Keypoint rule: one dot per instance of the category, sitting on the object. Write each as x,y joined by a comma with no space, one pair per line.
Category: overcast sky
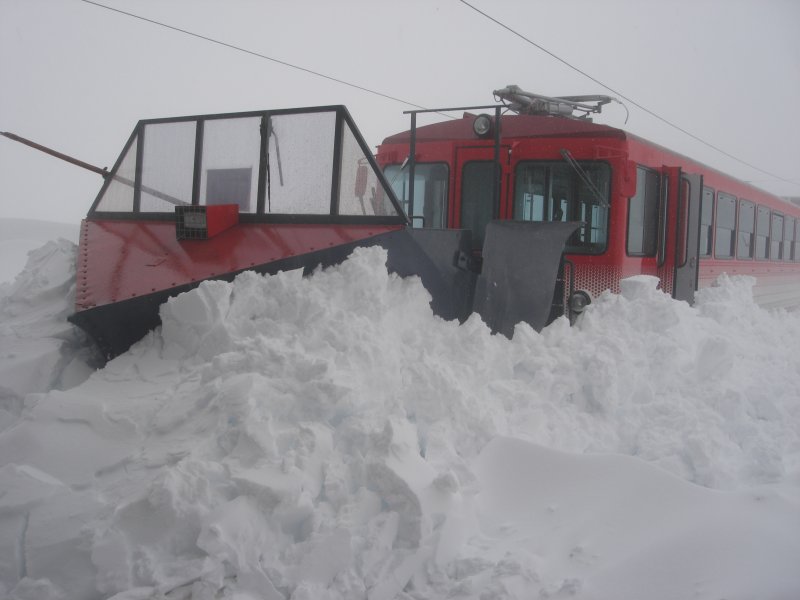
77,77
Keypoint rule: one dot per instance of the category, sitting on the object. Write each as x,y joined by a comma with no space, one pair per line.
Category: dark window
430,192
776,237
746,229
796,245
788,239
553,191
725,226
230,186
706,221
477,192
762,233
643,215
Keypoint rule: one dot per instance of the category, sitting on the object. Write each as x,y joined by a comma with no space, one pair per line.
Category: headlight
578,302
482,126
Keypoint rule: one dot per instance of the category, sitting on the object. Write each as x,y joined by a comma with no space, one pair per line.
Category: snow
328,437
20,236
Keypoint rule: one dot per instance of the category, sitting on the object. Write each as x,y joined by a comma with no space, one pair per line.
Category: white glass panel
360,190
118,196
301,163
167,166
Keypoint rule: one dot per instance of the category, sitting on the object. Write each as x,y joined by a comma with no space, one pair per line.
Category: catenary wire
624,97
256,54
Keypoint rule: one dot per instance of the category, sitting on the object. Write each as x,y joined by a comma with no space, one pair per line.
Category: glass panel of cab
553,191
430,192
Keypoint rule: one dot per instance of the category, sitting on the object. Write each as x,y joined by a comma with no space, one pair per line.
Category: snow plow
210,196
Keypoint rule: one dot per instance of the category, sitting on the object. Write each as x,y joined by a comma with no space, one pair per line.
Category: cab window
430,192
553,191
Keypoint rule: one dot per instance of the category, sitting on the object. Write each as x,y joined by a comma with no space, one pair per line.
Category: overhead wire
256,54
624,97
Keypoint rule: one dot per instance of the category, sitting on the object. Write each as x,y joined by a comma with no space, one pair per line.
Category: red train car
643,209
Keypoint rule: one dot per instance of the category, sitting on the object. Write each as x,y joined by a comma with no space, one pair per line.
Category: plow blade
433,255
518,277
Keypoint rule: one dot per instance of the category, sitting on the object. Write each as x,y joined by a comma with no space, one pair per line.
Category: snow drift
328,437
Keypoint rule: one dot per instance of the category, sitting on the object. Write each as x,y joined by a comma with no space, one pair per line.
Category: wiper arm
584,176
268,132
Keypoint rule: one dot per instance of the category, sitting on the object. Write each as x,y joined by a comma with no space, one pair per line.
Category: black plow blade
518,277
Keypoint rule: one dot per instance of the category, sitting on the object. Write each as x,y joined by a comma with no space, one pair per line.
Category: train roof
512,126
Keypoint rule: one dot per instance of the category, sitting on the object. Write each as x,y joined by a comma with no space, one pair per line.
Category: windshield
553,191
273,165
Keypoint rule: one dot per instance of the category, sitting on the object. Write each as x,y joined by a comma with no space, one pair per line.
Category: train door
679,244
480,190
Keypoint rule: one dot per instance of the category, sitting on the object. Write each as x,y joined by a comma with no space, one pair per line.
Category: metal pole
412,167
497,168
51,152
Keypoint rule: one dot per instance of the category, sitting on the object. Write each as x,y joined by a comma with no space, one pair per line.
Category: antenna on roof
571,107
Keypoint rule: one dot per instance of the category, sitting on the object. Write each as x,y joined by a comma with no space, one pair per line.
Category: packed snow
329,438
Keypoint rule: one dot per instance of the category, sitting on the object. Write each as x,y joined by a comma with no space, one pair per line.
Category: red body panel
124,259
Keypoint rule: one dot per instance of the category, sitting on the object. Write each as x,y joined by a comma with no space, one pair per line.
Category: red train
642,208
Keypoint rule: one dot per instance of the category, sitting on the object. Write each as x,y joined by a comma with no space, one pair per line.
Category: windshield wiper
584,176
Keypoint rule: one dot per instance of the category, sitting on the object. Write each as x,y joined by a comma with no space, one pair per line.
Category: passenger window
788,239
776,237
724,239
762,233
796,244
706,221
643,215
430,192
746,230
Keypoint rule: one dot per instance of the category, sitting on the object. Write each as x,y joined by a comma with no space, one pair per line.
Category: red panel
220,217
126,259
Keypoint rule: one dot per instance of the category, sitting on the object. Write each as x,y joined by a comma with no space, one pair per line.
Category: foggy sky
77,77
